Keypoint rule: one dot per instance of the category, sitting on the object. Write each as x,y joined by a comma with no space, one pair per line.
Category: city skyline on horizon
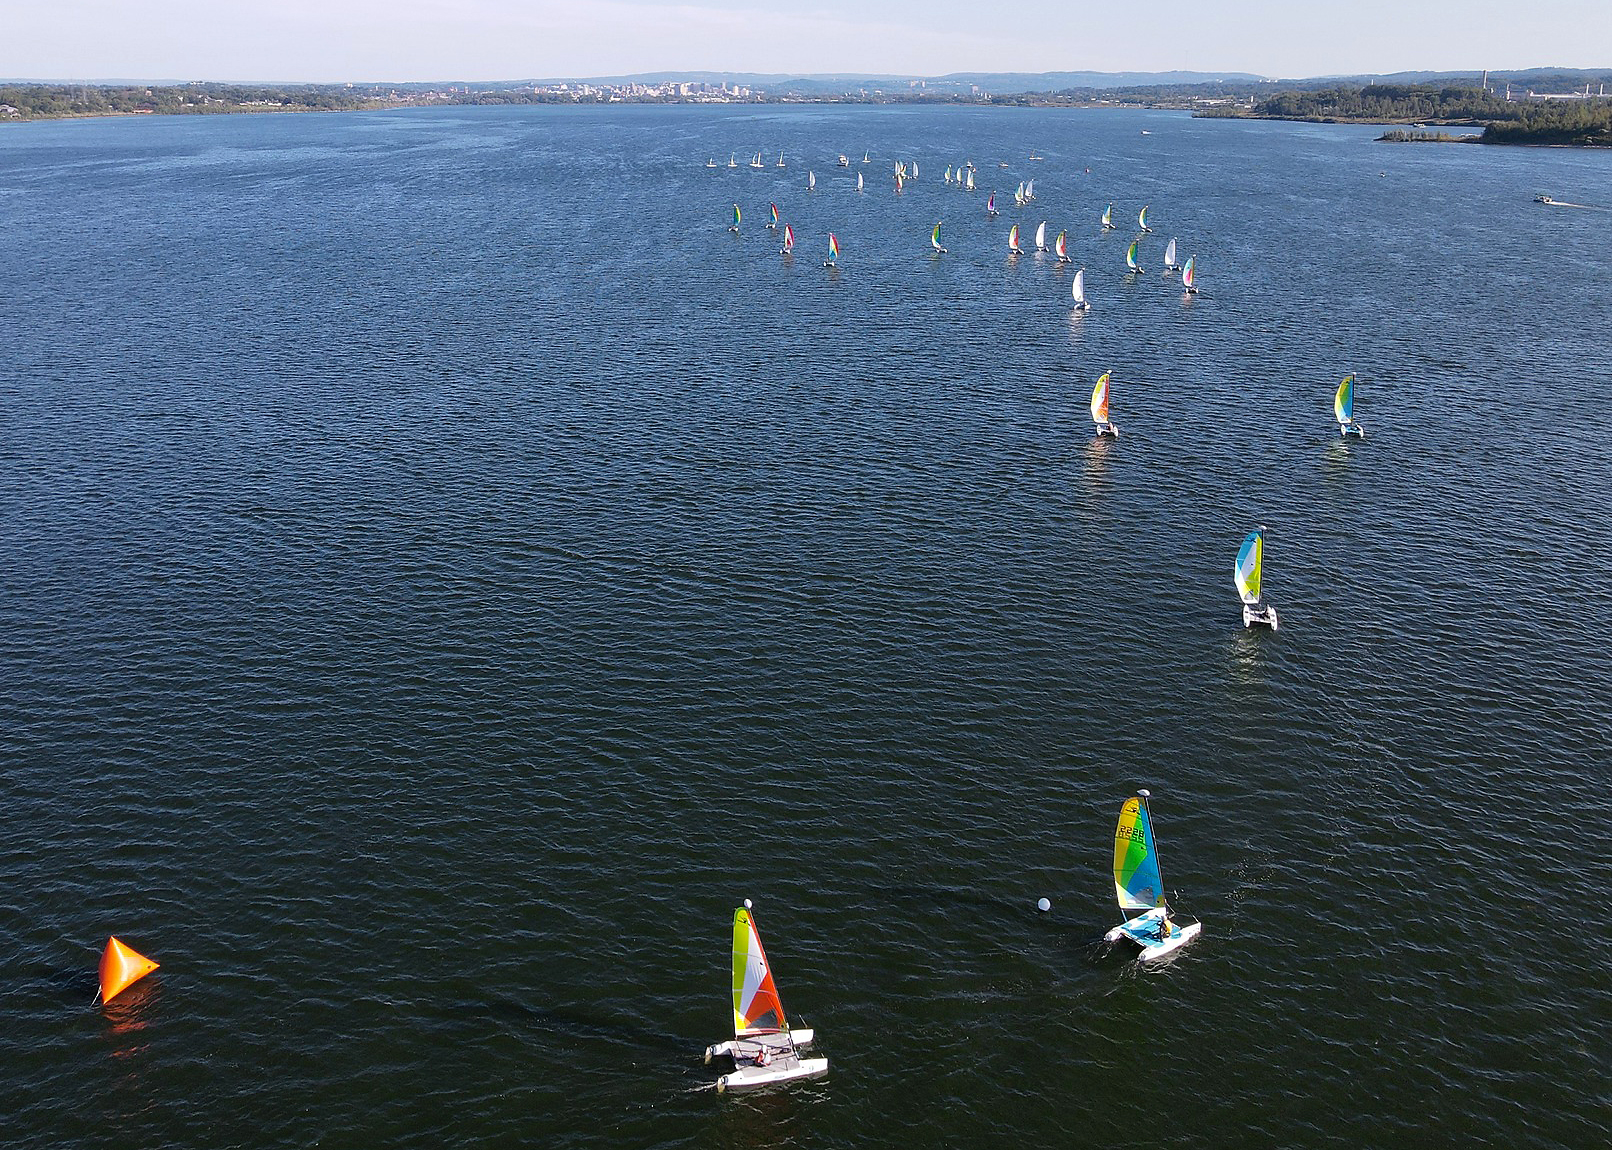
422,41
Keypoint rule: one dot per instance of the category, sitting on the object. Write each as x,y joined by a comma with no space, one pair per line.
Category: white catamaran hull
783,1069
750,1046
1143,930
1255,613
1348,429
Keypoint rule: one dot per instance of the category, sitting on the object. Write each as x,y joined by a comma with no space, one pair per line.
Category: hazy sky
516,39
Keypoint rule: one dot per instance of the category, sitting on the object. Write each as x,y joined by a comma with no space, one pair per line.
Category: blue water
443,571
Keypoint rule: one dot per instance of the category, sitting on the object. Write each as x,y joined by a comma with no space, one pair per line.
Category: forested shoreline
1581,121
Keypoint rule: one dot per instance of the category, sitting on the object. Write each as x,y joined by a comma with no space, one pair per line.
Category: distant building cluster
694,93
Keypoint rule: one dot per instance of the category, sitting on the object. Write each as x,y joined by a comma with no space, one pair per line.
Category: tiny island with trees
1566,117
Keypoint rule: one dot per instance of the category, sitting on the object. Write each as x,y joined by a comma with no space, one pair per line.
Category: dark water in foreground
442,572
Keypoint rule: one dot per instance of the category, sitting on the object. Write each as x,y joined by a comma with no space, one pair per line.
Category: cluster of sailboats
1248,568
766,1049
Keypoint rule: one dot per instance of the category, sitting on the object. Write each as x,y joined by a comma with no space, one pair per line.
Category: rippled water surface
443,570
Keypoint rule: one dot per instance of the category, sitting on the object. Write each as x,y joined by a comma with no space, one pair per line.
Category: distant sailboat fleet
1249,565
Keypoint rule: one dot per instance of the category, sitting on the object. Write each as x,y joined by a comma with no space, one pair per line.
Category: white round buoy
747,904
1044,905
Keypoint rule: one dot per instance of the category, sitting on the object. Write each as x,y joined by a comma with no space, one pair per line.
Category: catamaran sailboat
773,226
1139,887
737,216
732,162
1189,275
1108,218
934,241
969,184
1141,218
1061,247
1169,256
1247,573
780,162
757,162
1099,408
811,181
990,204
1041,237
1013,241
833,251
859,181
1343,406
1130,260
1078,290
789,241
844,160
764,1049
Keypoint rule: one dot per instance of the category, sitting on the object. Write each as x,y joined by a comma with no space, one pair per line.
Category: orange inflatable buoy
121,966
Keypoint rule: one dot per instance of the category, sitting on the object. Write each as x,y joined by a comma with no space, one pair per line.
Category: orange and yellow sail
757,1008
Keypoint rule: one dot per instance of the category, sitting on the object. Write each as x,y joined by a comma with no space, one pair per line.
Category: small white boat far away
1248,573
811,181
1078,290
764,1049
1139,887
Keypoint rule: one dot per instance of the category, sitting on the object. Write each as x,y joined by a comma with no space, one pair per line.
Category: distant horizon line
1133,77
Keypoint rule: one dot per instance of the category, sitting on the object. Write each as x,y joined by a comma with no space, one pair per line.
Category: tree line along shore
1570,120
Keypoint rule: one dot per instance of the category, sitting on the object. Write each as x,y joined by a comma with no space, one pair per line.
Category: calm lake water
443,571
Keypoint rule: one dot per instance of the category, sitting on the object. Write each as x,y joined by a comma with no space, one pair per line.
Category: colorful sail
1189,274
990,204
1169,253
1250,561
1061,245
1138,885
737,216
1108,216
934,239
1343,404
1130,257
775,215
789,239
833,246
1099,400
1141,218
1013,238
757,1008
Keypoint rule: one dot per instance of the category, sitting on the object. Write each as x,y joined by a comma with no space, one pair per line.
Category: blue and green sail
1137,882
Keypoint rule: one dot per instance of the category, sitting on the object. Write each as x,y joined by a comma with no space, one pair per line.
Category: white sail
1041,237
1169,254
1079,289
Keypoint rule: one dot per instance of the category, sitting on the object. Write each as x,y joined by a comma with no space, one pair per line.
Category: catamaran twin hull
1257,613
766,1059
1146,931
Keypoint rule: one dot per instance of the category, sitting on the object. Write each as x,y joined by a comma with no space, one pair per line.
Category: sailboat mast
1144,794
